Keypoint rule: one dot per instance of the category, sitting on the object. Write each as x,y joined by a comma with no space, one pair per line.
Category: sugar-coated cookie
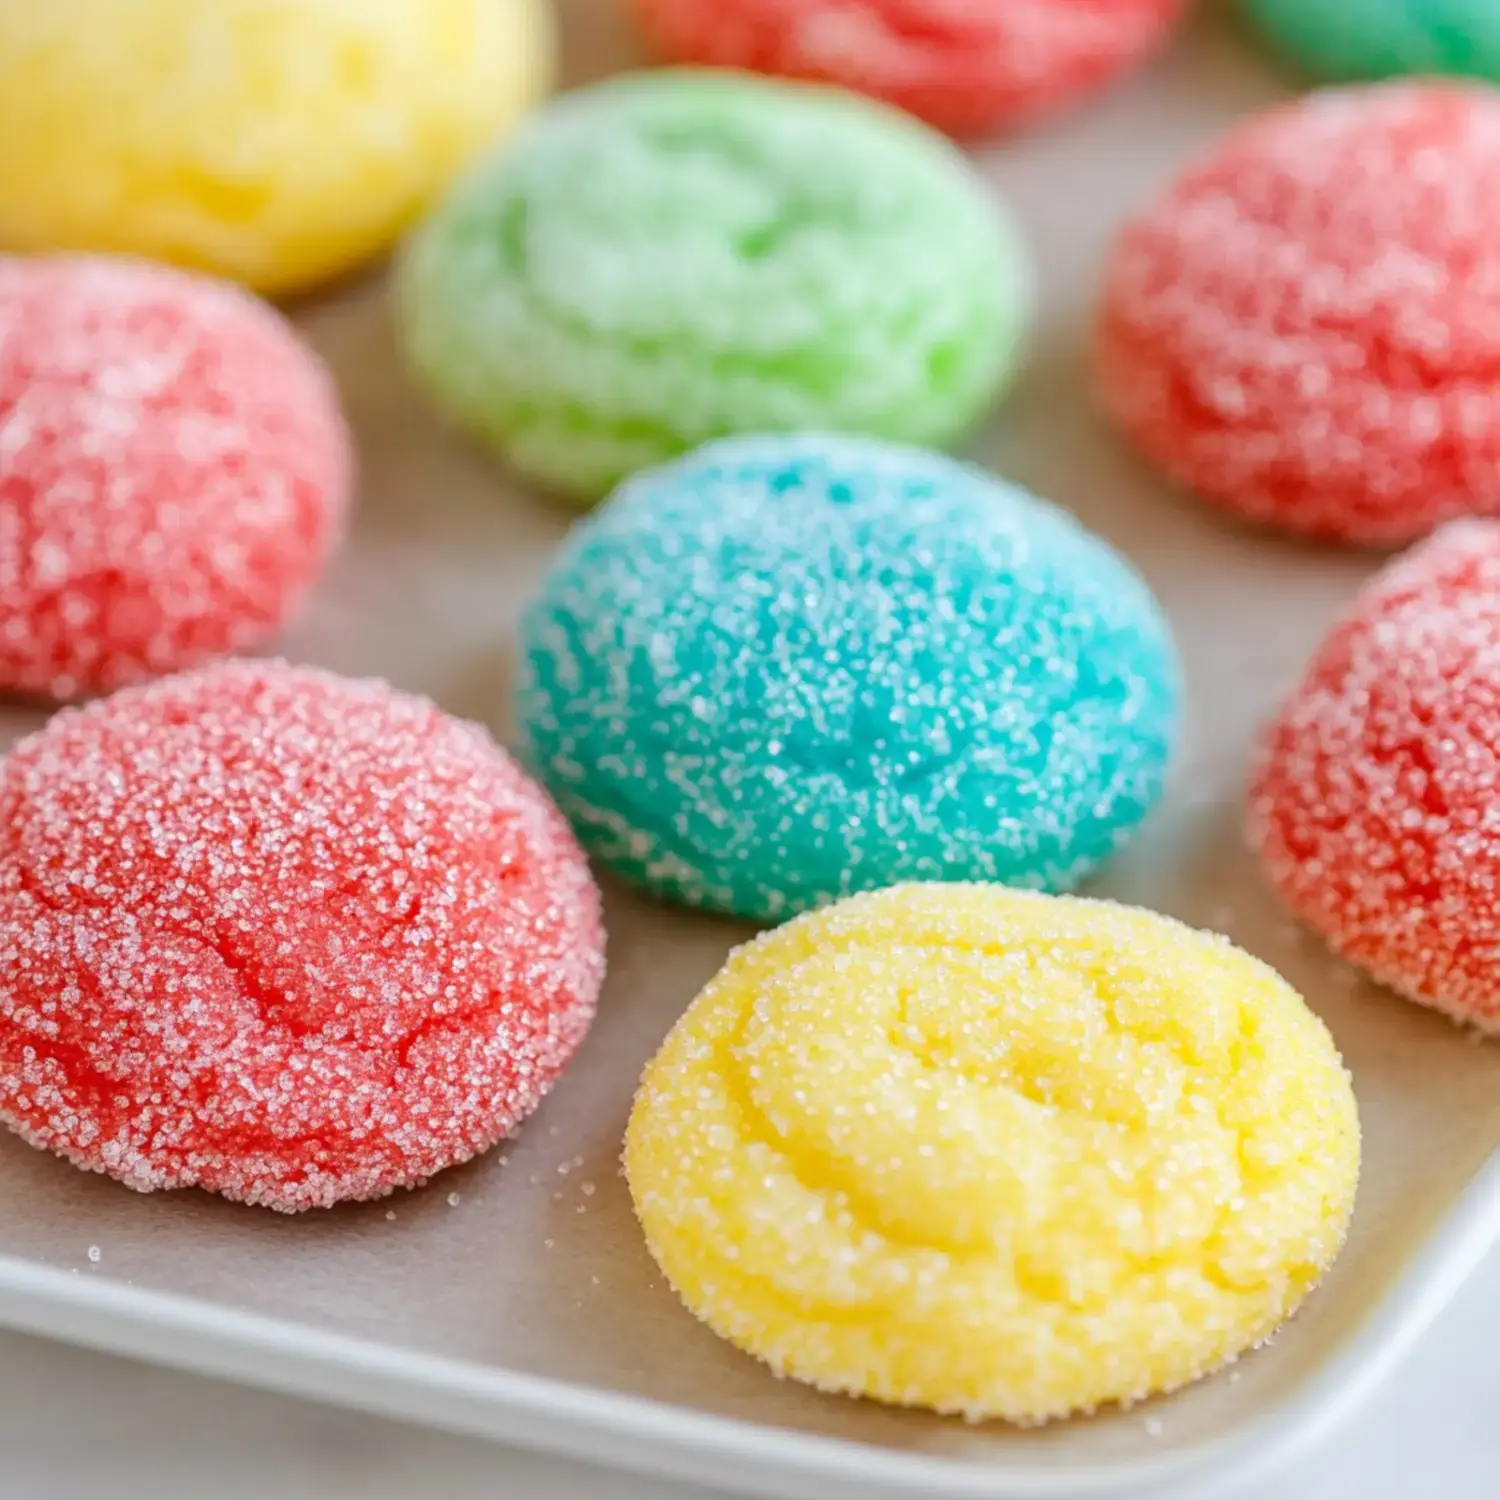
1373,806
993,1152
1350,39
276,143
976,66
680,255
1303,327
784,669
280,935
174,471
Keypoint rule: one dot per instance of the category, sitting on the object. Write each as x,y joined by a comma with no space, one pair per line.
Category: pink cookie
174,470
1305,328
966,66
287,937
1374,808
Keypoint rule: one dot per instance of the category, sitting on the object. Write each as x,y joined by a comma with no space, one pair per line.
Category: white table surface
81,1426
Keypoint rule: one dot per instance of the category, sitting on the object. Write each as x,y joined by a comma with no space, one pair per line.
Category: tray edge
609,1429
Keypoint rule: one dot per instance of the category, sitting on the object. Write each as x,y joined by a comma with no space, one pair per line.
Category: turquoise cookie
786,669
678,256
1354,39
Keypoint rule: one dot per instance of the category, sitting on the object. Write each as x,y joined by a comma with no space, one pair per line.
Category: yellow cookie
991,1152
274,141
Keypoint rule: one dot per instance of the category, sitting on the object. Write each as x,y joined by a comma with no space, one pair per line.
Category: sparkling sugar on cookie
784,669
174,472
1376,804
680,255
1305,328
284,936
966,66
993,1152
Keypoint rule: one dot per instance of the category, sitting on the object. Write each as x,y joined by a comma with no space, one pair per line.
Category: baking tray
513,1297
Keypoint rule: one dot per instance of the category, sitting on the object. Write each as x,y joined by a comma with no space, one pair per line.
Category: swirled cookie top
987,1151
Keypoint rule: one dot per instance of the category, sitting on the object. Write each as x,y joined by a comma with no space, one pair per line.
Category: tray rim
612,1429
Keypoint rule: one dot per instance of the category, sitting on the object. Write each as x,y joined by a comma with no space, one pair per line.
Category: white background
80,1426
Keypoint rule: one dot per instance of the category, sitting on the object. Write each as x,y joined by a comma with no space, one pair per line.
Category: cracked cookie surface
994,1152
786,669
1372,804
677,256
1304,328
281,935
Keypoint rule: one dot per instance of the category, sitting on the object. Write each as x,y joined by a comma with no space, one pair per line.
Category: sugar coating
1349,39
785,669
1305,327
678,256
274,143
993,1152
966,68
284,936
1375,806
174,471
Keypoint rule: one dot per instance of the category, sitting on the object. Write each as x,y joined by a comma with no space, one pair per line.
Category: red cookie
1376,805
1305,328
174,470
284,936
966,66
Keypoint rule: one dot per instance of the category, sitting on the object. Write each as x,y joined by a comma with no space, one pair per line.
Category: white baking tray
513,1297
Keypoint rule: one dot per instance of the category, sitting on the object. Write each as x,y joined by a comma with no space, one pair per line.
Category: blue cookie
785,669
1352,39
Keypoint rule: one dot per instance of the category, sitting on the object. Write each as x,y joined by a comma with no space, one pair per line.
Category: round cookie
1301,327
1373,804
174,471
993,1152
785,669
678,256
967,69
1351,39
284,936
278,144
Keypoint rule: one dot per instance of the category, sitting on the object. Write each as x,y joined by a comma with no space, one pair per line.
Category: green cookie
1353,39
681,255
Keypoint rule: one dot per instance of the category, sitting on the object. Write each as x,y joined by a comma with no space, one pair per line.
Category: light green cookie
681,255
1353,39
